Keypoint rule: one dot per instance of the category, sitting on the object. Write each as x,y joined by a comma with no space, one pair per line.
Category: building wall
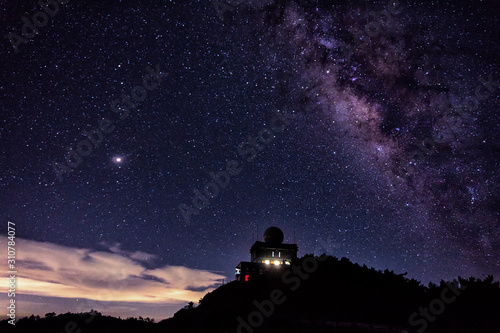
273,254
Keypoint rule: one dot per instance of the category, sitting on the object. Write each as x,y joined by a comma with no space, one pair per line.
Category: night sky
370,131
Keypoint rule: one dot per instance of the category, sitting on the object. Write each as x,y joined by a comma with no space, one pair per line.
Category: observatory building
267,257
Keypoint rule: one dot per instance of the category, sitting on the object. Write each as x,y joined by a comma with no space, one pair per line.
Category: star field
389,154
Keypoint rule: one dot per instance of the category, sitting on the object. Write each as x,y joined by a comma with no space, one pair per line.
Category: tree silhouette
335,292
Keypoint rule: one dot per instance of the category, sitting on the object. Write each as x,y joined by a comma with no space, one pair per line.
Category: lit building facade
267,257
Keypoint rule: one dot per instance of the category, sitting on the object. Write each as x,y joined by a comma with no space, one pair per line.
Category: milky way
389,156
414,97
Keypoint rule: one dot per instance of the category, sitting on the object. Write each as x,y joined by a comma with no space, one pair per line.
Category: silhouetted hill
91,322
317,295
339,293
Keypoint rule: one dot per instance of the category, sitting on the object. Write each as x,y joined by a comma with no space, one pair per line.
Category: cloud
142,256
51,270
138,255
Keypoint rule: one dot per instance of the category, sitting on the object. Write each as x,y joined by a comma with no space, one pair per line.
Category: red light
246,277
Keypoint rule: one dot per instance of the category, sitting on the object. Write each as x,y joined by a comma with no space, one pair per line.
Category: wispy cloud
46,269
138,255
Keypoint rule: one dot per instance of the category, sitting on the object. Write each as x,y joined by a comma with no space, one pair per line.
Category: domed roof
273,235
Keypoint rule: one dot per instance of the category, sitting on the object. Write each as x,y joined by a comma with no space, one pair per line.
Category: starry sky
145,145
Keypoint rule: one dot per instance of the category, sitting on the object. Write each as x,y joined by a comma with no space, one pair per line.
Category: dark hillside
316,295
338,293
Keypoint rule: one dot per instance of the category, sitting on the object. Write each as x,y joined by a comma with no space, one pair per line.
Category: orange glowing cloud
46,269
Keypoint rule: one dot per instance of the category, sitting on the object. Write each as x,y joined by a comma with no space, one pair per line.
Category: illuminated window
279,254
273,254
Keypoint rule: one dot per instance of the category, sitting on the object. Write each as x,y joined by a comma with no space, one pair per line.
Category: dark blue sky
388,153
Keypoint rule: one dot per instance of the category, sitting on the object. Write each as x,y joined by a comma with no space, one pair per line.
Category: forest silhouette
322,294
